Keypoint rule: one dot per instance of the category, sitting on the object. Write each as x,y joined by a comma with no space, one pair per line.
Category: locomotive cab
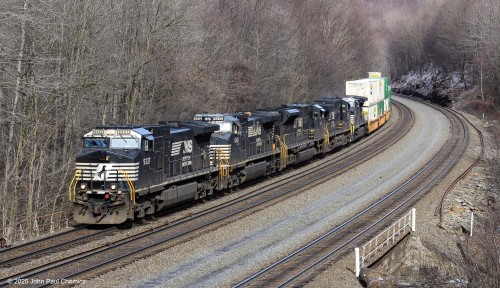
229,142
336,113
107,173
356,108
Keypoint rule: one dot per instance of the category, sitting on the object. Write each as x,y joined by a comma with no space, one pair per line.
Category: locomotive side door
158,154
148,161
167,170
239,150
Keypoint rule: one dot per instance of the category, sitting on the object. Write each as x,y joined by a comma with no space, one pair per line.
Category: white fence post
358,268
413,219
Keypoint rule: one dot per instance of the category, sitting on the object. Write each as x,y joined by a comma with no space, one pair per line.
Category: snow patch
431,82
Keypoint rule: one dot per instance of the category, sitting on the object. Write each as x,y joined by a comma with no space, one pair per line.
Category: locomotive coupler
97,210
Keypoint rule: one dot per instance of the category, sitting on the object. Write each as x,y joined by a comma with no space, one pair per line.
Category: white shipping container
373,113
359,88
373,89
365,112
380,89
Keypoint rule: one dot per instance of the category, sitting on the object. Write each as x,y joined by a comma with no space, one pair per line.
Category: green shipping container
387,88
380,108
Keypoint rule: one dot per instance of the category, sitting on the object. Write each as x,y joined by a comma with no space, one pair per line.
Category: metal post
413,220
471,222
356,252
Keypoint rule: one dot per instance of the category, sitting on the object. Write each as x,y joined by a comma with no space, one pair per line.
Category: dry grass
481,252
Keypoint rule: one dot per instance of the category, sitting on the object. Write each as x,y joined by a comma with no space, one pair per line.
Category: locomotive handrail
283,149
130,185
72,185
224,165
327,134
351,126
213,162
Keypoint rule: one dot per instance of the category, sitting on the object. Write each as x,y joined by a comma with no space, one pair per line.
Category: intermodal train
127,172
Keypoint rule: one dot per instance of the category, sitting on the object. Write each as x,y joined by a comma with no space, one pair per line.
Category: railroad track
440,206
51,244
302,265
90,263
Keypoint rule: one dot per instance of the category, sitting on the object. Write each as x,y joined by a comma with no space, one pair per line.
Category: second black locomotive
127,172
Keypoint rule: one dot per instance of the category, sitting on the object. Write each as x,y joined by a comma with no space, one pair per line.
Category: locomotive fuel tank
127,172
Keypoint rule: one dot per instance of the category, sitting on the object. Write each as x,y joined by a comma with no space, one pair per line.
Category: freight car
376,89
127,172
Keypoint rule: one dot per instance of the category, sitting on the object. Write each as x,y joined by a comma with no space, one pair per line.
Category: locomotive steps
348,158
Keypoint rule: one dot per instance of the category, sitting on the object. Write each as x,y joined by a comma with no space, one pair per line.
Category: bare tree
67,66
11,165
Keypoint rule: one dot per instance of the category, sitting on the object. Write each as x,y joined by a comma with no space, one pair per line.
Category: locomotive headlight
83,186
113,187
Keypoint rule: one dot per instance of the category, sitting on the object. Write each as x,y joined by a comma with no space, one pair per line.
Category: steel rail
212,222
393,211
226,216
57,246
440,206
15,247
8,250
351,220
386,216
75,258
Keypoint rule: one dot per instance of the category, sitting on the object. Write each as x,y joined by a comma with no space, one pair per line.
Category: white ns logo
102,172
188,146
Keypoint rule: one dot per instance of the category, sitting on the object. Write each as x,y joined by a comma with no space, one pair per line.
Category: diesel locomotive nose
92,155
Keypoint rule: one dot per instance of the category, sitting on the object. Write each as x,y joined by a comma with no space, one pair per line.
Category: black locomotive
127,172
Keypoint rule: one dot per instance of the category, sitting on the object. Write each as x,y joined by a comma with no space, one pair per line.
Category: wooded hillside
66,66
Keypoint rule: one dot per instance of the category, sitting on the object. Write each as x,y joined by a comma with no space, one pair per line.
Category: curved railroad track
302,265
90,263
440,206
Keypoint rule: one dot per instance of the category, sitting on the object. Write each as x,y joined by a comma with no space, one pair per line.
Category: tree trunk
10,144
481,79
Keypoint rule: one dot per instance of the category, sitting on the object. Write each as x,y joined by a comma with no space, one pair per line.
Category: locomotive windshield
116,143
124,143
96,143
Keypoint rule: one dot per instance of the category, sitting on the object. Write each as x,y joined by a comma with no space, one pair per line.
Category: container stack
378,92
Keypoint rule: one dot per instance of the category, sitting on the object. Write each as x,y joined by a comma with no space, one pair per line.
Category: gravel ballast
225,256
440,241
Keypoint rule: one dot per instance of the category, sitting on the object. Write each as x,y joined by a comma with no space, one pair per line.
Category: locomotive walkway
90,263
340,171
299,267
